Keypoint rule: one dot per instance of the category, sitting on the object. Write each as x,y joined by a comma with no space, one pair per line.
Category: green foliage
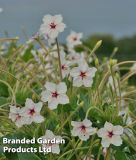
126,45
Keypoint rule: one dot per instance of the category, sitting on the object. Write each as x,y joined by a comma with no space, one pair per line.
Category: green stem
59,59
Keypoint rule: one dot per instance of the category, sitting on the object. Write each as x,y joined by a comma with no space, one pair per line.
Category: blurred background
113,21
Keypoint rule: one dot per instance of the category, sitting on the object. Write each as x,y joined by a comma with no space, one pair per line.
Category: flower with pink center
32,111
52,26
83,75
74,39
55,94
65,67
74,57
49,135
16,115
83,129
110,134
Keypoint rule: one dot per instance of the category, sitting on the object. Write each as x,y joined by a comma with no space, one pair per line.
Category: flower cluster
26,115
110,134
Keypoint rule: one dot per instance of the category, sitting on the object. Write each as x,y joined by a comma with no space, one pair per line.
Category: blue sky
87,16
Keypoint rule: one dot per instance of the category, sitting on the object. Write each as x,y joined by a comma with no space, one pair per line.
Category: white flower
74,57
83,129
74,39
32,111
54,146
65,67
16,115
52,26
55,94
133,68
110,135
83,75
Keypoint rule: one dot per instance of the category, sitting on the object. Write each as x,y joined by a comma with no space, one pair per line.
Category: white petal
38,119
26,120
19,124
84,137
108,126
49,134
118,130
83,66
61,87
87,82
29,103
50,86
38,106
46,96
75,72
13,109
47,19
74,132
116,140
102,132
53,34
58,18
105,143
53,104
63,99
61,27
55,149
76,124
91,71
87,122
12,116
77,82
91,130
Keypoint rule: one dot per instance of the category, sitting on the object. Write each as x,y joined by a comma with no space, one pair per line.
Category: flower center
83,128
18,116
73,58
50,144
82,74
110,134
63,66
55,94
74,38
53,25
32,112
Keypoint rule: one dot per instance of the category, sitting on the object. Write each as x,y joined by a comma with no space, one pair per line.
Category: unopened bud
96,62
